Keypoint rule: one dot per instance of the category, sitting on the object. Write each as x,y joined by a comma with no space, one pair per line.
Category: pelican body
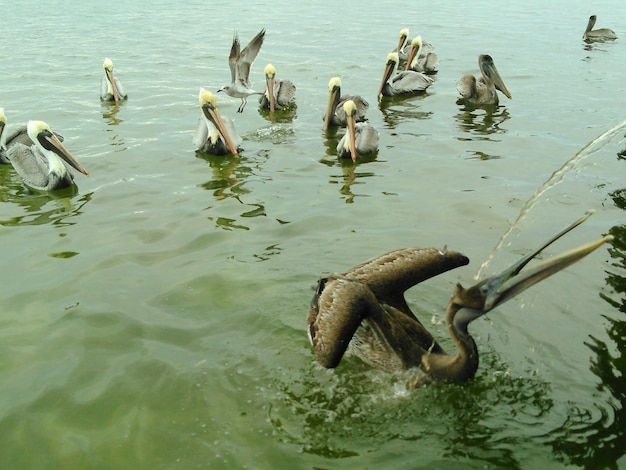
482,91
335,113
401,83
602,34
44,164
360,138
363,311
240,62
214,134
279,94
420,60
111,88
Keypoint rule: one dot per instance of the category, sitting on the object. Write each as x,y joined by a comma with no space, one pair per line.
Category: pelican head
350,108
390,69
49,144
3,124
270,75
213,118
489,71
334,95
416,47
404,35
108,71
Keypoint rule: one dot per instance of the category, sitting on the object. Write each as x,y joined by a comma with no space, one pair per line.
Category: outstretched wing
247,56
233,57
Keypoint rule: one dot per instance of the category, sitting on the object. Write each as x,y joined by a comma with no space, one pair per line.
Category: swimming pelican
239,63
359,139
335,114
401,83
402,43
17,135
483,90
364,312
601,34
282,94
42,166
214,134
420,61
111,88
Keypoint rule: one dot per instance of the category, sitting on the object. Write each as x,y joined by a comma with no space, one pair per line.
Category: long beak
52,142
389,69
116,95
270,91
214,116
2,126
514,280
492,72
412,56
352,136
401,43
333,101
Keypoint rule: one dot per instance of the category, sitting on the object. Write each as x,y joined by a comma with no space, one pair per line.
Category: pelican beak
401,43
109,74
389,69
269,80
492,72
514,280
214,116
409,61
333,100
2,126
51,142
352,136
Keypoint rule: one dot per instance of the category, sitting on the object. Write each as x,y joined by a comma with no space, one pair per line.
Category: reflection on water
281,116
396,110
481,121
110,115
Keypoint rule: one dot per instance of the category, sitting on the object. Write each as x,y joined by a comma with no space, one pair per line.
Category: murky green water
155,318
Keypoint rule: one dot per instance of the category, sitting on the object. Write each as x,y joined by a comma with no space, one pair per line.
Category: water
155,318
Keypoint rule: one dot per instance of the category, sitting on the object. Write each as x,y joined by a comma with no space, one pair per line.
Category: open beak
493,73
116,95
333,100
51,142
270,91
214,116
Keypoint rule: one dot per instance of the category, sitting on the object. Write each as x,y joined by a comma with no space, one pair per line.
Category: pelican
363,311
402,43
214,134
483,90
335,114
601,34
17,135
360,139
401,83
111,88
239,63
42,165
421,61
278,94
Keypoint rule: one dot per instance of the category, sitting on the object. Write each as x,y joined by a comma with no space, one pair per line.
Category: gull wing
244,59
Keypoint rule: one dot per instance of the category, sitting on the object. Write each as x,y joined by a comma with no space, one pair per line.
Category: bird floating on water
44,164
214,134
363,311
335,114
421,61
401,83
279,94
17,135
482,91
359,139
403,42
239,62
601,34
111,88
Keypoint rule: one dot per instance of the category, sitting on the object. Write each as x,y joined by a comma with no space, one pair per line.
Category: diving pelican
335,114
42,165
601,34
239,63
359,139
401,83
483,90
214,134
111,88
278,94
363,311
420,61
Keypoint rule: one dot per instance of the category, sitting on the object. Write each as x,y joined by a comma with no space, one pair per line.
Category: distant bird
483,90
401,83
278,94
363,311
239,63
43,165
111,88
601,34
17,135
335,114
214,134
359,139
420,61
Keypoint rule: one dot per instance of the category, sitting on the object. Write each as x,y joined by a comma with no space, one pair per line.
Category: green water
155,318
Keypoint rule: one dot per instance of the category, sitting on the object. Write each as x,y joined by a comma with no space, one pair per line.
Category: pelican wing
366,138
120,88
285,93
466,86
30,164
361,109
201,135
409,81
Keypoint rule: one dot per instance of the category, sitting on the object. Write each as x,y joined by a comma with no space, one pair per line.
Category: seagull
111,88
239,63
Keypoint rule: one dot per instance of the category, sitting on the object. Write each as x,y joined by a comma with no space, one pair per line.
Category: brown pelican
483,90
420,61
360,139
601,34
335,114
17,135
363,311
239,63
42,165
402,43
214,134
278,94
401,83
111,88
